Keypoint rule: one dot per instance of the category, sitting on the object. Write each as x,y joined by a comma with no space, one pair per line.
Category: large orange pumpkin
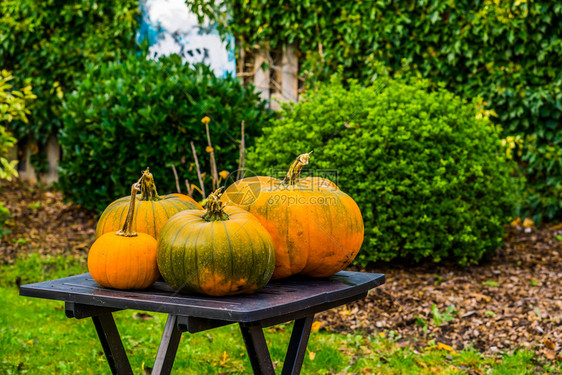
151,211
221,251
317,229
124,259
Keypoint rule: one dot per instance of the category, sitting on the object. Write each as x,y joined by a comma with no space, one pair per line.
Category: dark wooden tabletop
278,298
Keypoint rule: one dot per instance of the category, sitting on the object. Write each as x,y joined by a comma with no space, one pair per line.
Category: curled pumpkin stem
148,187
294,172
215,207
126,231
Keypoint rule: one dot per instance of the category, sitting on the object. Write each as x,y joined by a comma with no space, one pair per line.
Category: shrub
51,42
134,113
431,178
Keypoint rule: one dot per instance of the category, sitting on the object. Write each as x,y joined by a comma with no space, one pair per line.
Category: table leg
168,347
297,345
111,343
257,349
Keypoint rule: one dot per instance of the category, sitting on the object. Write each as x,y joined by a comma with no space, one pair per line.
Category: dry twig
198,170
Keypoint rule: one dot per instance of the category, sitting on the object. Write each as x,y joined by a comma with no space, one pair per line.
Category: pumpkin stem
148,188
126,231
294,172
215,207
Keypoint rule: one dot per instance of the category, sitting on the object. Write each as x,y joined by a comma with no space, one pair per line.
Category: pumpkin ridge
286,224
197,257
329,207
183,254
172,203
106,255
154,210
252,247
166,232
231,254
212,247
263,247
171,248
328,233
146,263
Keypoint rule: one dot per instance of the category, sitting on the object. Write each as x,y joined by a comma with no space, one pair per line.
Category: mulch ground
512,301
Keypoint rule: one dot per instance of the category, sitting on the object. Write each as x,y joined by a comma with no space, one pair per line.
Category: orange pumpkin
124,259
317,229
151,211
221,251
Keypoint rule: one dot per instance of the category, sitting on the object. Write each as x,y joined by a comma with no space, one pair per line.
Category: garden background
442,120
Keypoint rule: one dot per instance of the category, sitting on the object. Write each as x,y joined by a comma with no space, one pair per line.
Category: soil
513,300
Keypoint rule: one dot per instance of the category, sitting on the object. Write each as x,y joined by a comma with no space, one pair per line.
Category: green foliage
13,107
439,318
51,42
507,52
134,113
427,170
4,216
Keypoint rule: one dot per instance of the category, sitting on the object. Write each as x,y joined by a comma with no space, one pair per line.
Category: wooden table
295,298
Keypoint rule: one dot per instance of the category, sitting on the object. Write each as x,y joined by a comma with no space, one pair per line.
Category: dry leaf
442,346
316,326
516,222
209,149
224,358
311,355
549,344
528,223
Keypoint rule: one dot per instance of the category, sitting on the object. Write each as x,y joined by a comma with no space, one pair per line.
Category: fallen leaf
316,326
549,344
224,358
311,355
528,223
442,346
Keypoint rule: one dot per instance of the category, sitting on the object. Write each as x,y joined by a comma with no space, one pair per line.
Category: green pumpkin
221,251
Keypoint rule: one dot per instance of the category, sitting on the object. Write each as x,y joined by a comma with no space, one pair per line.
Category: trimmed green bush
428,171
51,42
130,114
507,52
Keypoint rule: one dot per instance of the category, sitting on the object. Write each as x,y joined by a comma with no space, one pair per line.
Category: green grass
36,337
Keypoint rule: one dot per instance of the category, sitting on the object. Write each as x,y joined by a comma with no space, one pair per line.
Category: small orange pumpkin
317,229
221,251
124,259
151,211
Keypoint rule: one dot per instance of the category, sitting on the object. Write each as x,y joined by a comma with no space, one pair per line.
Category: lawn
36,337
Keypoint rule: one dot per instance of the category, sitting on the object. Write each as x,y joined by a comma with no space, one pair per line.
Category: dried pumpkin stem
294,172
215,207
148,188
126,231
